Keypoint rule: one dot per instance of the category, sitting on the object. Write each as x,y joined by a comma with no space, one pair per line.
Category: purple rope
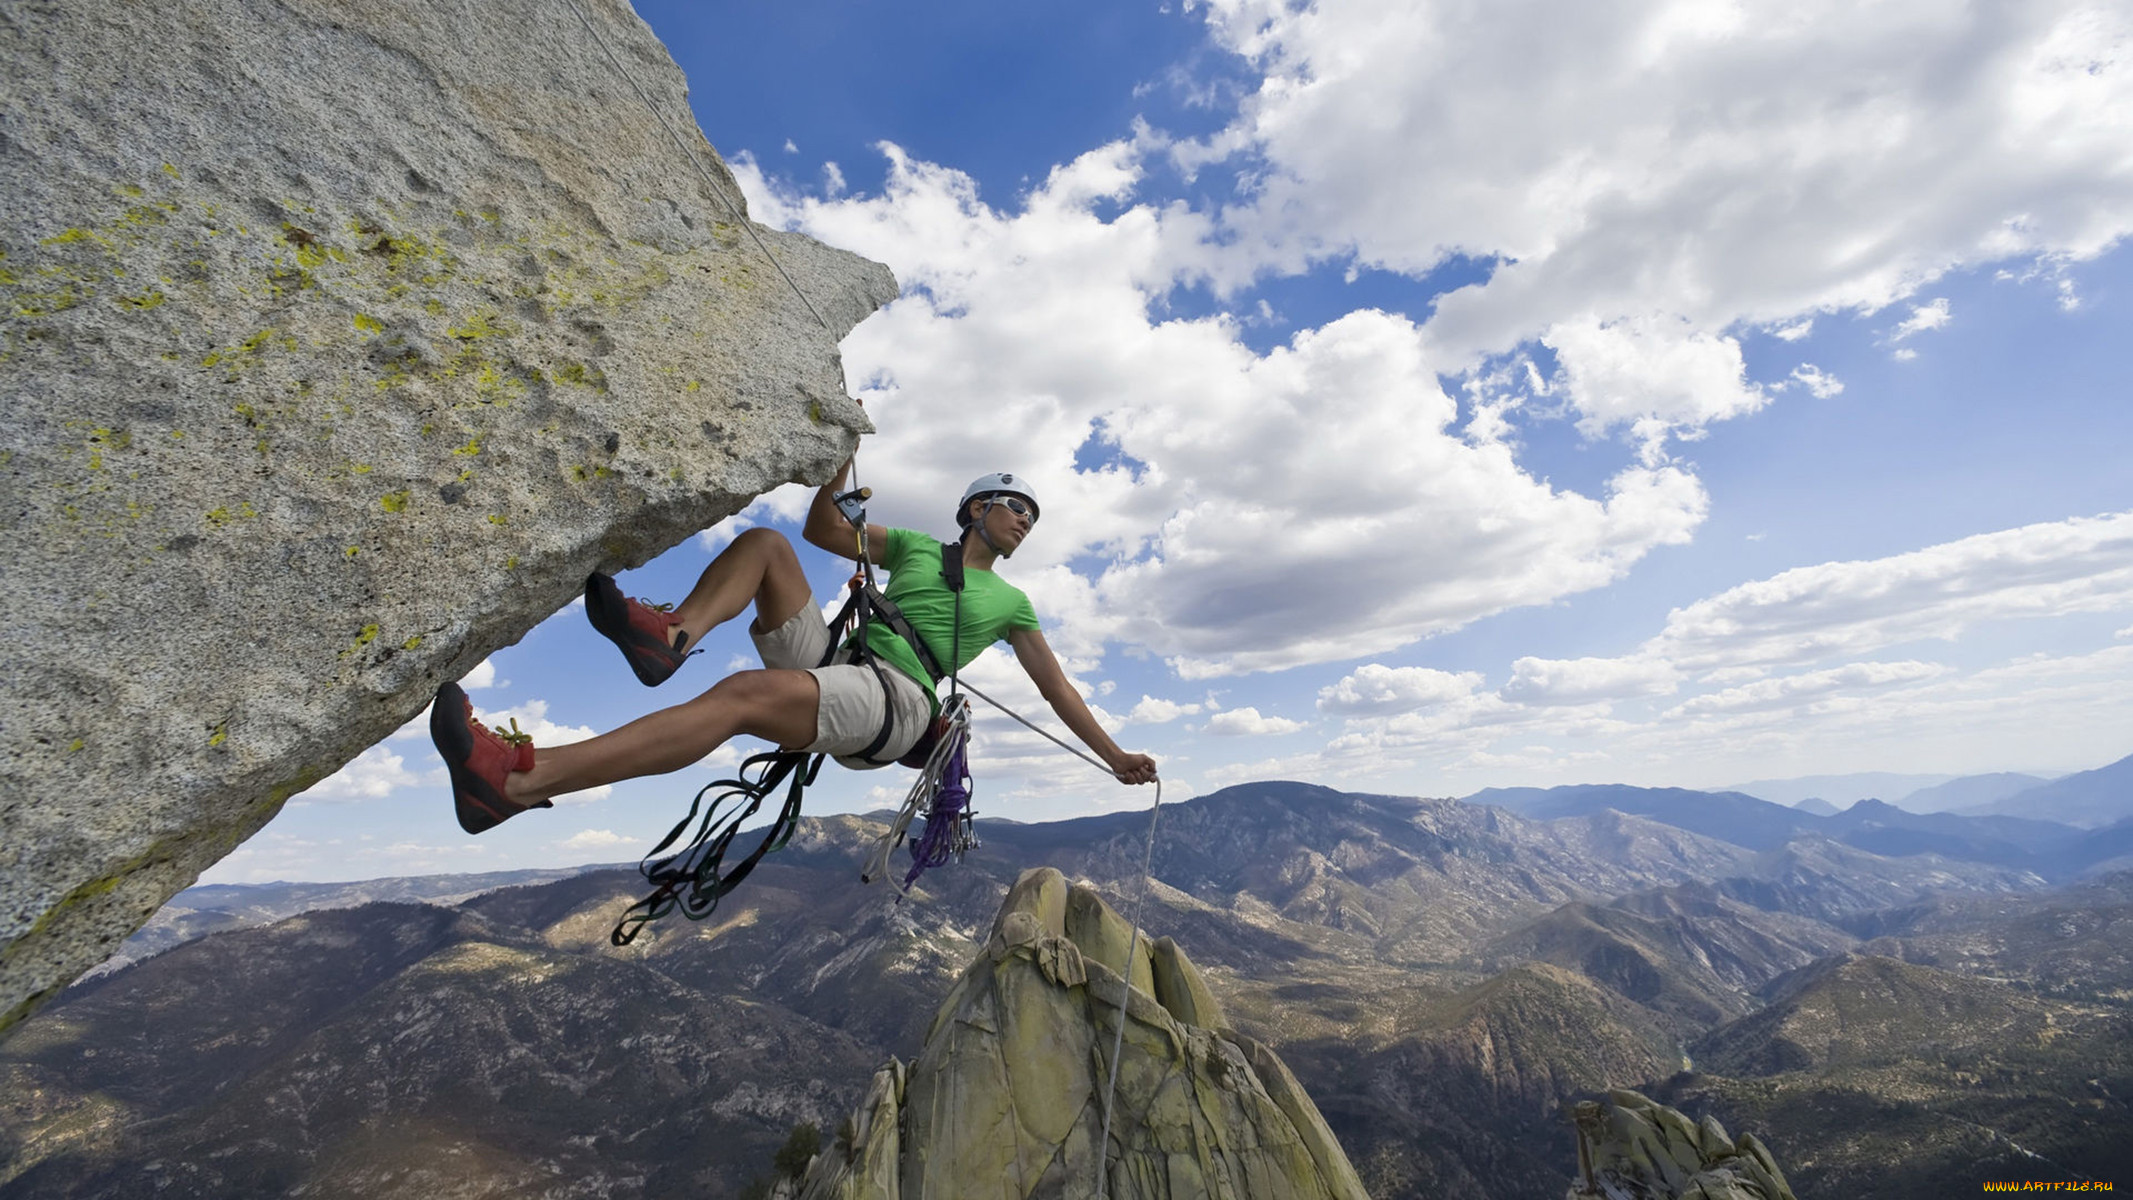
951,802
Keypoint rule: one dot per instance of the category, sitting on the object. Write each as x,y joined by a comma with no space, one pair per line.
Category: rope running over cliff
739,218
1133,944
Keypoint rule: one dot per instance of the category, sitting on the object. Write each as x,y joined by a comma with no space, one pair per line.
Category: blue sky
1435,396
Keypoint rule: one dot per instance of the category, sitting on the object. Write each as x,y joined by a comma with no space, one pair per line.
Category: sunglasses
1018,508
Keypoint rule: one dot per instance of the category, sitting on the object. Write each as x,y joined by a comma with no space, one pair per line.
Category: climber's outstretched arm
1035,655
826,527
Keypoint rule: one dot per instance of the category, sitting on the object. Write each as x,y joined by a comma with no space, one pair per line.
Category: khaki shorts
849,717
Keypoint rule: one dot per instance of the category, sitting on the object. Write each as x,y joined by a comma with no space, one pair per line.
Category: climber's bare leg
759,567
776,705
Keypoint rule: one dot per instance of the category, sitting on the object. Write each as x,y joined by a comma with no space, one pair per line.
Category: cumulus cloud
1749,657
1855,608
1375,689
595,839
1235,479
1923,317
1652,373
1247,722
1670,182
1756,162
1789,690
371,775
1585,680
482,676
1152,711
1819,383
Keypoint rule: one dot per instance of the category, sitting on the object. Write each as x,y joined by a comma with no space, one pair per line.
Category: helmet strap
979,525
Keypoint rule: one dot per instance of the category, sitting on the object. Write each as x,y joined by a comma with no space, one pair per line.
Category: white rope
731,209
1077,752
921,788
1133,945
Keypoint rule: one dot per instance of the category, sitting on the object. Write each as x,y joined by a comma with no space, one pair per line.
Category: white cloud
1657,372
1676,179
1247,722
1923,317
1789,690
728,755
787,503
371,775
1151,711
1755,162
1856,608
1732,650
1375,689
1818,382
482,676
272,855
1585,680
1242,476
595,839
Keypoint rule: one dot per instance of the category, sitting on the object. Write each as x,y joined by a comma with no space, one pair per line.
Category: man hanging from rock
840,709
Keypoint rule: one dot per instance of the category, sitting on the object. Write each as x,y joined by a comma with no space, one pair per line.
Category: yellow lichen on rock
420,235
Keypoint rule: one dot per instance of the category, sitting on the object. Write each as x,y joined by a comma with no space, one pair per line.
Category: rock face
1007,1097
1633,1148
338,342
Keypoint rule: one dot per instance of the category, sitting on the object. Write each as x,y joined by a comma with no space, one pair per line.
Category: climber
864,717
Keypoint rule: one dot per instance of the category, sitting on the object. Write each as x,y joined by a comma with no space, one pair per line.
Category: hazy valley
1900,1003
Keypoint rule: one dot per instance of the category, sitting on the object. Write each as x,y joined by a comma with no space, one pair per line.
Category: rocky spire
1633,1148
1006,1097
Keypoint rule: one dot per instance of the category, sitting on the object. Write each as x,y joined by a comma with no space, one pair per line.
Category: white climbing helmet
997,484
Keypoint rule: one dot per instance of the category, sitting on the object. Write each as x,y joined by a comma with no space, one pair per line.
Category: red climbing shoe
644,631
480,759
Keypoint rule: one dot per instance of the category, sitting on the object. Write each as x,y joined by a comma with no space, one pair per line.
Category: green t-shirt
992,608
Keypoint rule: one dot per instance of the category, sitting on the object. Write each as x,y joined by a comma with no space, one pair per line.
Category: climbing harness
940,796
694,877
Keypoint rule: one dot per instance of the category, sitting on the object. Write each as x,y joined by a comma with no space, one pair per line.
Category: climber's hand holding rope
1134,768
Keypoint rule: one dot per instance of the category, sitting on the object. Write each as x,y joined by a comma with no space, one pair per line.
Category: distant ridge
1969,792
2090,799
1839,790
1734,817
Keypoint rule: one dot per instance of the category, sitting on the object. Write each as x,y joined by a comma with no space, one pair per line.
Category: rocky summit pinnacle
1006,1099
1631,1147
338,343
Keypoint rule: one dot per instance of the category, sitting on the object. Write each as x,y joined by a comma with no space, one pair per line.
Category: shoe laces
513,736
663,607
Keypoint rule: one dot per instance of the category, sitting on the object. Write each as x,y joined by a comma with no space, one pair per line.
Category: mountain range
2086,799
1443,978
